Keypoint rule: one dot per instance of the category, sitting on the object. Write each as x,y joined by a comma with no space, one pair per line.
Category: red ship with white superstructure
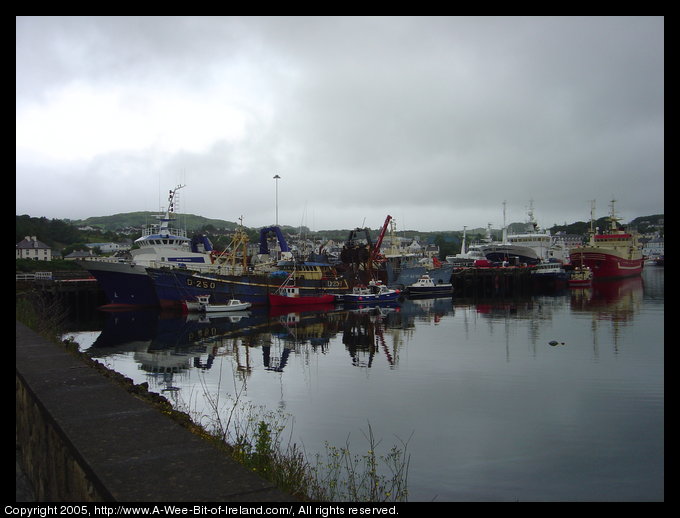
614,254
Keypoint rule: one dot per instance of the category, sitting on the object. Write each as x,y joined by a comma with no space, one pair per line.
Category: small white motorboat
425,285
202,304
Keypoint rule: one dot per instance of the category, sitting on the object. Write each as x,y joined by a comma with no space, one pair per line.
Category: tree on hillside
446,246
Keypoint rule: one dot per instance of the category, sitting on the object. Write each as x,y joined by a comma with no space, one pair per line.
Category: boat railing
157,229
104,259
223,269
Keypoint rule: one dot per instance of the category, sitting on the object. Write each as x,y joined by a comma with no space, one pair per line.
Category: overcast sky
435,121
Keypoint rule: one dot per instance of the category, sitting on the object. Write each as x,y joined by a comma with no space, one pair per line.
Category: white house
108,248
79,254
653,248
31,248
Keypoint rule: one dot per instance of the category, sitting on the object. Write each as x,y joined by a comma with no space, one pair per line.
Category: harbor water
553,397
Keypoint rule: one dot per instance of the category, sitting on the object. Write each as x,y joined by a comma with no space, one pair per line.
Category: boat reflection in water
163,343
616,302
166,343
477,381
613,300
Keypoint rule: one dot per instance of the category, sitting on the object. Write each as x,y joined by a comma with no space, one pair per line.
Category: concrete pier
84,438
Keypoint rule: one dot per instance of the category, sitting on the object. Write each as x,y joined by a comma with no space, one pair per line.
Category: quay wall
492,281
84,438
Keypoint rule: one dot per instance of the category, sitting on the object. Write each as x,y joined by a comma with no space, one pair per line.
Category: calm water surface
550,398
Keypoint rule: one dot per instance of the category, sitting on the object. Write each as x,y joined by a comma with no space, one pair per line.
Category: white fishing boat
125,281
202,304
469,254
533,246
426,286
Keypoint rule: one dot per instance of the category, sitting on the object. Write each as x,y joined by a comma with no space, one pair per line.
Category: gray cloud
435,121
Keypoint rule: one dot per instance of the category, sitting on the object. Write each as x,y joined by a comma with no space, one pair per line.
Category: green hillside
66,235
140,219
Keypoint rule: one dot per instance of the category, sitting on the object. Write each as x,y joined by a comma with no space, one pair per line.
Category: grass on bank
43,314
254,437
257,439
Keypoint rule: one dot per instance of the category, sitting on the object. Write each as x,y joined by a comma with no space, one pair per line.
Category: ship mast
532,219
164,220
613,220
462,247
592,216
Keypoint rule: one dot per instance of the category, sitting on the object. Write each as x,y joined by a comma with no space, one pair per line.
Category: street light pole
277,177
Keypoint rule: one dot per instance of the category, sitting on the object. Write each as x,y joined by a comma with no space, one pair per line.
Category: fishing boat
614,254
581,277
174,285
125,281
375,291
550,270
250,282
532,246
426,286
202,304
288,294
469,254
401,275
401,265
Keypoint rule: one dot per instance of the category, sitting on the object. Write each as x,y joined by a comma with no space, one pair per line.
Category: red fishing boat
614,254
289,295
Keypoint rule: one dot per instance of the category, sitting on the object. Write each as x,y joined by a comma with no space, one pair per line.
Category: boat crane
375,253
366,255
286,253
